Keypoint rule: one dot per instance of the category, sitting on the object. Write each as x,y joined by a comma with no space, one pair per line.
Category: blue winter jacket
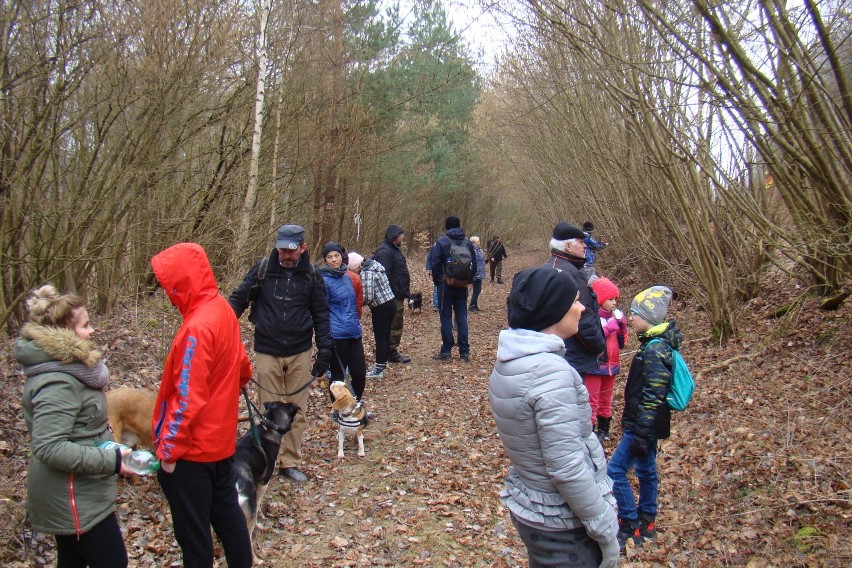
343,305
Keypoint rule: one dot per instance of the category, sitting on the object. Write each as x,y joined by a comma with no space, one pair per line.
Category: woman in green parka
71,480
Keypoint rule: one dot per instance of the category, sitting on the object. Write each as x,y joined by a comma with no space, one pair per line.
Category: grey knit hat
652,304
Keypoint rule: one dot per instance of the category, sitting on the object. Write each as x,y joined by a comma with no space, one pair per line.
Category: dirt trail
756,472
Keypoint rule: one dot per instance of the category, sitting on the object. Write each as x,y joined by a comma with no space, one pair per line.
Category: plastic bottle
140,462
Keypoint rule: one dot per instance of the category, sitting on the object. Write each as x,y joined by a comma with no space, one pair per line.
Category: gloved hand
322,363
610,553
639,446
612,326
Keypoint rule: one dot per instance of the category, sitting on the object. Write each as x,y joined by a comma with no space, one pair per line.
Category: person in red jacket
195,416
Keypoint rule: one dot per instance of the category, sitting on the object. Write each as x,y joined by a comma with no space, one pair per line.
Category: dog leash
285,394
252,412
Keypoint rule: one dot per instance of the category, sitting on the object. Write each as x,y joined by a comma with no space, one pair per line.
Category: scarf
96,377
339,271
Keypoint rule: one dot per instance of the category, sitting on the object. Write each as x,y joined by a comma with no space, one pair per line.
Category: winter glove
610,553
612,326
322,363
639,446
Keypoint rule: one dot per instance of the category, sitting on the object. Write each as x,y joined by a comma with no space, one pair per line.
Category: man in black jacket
567,253
291,307
390,256
496,252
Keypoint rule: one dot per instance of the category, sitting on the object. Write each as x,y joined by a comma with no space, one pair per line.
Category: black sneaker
293,474
627,531
399,358
647,527
441,356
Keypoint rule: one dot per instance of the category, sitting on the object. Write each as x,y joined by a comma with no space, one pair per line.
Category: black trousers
100,547
383,315
349,354
200,495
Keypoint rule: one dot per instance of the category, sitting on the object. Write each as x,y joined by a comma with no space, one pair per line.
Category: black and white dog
254,465
415,301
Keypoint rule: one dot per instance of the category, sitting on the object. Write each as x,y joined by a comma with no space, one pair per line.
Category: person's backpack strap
254,292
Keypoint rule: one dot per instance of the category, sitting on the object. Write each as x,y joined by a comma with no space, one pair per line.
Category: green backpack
683,385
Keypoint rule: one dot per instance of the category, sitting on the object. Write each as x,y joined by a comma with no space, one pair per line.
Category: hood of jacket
667,332
456,233
184,272
43,343
392,232
372,266
516,343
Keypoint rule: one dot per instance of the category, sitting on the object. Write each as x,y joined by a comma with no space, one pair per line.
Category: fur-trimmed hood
43,343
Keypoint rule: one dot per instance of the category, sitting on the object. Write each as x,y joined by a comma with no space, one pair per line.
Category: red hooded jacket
195,416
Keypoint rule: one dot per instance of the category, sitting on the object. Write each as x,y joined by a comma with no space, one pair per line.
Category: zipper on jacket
73,502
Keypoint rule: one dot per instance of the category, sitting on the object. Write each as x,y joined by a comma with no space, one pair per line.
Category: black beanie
540,297
452,222
564,231
330,246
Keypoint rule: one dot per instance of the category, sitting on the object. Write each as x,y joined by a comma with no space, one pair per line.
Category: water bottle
140,462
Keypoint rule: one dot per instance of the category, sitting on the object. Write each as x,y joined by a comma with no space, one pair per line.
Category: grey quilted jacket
558,478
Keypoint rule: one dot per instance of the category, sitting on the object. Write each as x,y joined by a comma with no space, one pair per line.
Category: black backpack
458,266
254,292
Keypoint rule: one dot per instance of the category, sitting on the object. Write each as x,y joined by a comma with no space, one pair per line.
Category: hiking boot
647,527
441,356
399,358
603,428
377,372
293,474
627,531
465,357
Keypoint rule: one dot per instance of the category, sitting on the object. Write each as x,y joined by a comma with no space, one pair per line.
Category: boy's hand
639,446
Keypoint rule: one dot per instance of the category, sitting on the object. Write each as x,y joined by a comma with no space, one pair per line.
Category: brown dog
351,416
130,411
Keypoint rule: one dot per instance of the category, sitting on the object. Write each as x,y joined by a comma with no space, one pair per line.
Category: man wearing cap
390,256
291,309
567,253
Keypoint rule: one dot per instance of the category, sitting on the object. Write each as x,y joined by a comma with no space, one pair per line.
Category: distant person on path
601,382
567,254
479,276
557,491
291,309
646,417
496,253
379,297
453,288
390,256
71,483
592,246
195,415
345,300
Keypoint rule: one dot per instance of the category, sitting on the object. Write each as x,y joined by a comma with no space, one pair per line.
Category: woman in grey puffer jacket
557,491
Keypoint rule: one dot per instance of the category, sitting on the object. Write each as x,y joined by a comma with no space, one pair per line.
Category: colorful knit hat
605,289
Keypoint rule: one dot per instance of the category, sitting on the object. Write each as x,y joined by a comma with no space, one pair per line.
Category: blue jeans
646,472
453,299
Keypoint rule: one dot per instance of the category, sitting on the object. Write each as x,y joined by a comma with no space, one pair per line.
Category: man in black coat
567,253
390,256
495,253
291,307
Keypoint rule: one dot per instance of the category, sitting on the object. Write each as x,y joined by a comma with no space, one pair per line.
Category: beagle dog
351,416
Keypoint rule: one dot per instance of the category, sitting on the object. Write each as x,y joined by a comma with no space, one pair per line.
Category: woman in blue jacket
345,300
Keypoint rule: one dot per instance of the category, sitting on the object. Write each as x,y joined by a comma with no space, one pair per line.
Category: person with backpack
452,265
647,415
289,309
